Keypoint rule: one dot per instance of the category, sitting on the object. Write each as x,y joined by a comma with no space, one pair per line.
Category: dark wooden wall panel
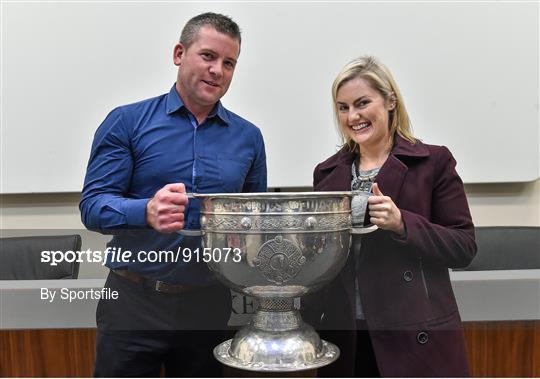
496,349
47,353
503,349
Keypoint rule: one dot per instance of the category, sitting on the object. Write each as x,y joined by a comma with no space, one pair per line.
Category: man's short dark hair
223,24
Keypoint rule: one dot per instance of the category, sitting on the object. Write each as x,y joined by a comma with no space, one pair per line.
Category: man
145,157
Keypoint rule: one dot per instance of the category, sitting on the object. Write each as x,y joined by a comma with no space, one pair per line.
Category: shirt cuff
136,211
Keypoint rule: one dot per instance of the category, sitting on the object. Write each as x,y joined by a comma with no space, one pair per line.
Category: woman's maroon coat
404,284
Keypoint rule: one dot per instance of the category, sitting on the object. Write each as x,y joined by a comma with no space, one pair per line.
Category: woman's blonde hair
381,80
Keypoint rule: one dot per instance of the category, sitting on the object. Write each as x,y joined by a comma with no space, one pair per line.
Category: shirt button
422,338
407,276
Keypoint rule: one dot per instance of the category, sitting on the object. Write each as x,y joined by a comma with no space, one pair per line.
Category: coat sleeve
317,177
448,236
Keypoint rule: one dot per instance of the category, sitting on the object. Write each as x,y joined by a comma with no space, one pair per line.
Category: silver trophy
281,246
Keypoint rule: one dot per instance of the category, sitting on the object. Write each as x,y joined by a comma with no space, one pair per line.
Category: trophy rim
274,195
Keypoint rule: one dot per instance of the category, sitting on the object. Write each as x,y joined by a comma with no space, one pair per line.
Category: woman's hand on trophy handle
384,213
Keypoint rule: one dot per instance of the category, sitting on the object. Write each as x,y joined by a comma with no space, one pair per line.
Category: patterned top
362,181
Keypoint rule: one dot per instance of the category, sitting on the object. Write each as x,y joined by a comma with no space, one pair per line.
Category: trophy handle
190,232
364,229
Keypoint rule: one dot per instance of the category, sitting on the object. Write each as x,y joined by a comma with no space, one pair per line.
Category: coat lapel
391,177
336,172
392,174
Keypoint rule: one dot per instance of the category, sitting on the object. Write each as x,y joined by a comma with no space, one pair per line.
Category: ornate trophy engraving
279,260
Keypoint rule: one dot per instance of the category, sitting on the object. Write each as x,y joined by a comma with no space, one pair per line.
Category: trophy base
285,351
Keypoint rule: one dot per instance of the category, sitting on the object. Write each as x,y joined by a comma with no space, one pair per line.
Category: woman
392,310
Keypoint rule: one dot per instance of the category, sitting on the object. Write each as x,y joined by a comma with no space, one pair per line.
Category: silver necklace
363,180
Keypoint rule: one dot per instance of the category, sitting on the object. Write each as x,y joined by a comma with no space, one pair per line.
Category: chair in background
20,257
506,248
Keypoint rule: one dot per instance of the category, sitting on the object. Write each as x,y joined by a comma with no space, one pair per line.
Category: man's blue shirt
141,147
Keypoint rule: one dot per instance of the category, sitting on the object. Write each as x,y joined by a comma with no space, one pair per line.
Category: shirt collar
175,103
